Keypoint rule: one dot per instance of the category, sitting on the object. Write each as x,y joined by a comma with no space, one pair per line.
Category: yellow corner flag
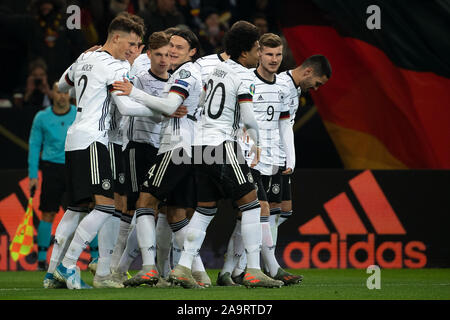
22,243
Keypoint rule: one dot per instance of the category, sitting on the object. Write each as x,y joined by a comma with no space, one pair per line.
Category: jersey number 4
150,172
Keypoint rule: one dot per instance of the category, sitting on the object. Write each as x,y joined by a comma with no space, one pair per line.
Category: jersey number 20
210,96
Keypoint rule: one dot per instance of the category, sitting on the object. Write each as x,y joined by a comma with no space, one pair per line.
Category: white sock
179,234
86,231
145,227
196,232
64,234
284,216
197,263
163,244
131,251
273,220
231,258
124,229
241,265
268,249
107,238
251,232
176,252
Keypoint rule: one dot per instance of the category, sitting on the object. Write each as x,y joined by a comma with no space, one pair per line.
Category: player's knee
265,208
146,200
248,198
286,206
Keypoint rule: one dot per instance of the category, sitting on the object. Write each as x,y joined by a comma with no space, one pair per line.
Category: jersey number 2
85,78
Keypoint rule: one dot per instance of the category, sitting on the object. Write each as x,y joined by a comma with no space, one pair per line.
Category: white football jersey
140,64
93,74
228,84
178,132
293,101
144,129
269,106
207,64
294,93
115,132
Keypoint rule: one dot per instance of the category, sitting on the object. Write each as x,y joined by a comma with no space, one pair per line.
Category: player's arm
287,140
65,83
130,107
251,125
35,145
166,105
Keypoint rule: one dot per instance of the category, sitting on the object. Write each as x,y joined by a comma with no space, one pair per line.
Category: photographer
37,92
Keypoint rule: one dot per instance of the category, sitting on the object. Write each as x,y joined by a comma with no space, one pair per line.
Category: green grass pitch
348,284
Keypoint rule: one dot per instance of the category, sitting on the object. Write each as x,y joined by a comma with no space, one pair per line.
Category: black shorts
229,178
286,194
139,157
53,188
185,193
117,168
169,180
88,173
274,187
260,184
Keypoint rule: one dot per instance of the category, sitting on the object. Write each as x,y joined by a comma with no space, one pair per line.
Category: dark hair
240,38
38,63
127,23
320,65
157,40
133,17
191,38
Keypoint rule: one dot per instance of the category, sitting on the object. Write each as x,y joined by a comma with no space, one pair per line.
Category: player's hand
93,48
125,86
287,171
32,185
179,113
257,151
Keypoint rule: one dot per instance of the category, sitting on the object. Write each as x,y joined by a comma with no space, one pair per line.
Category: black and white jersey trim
234,162
95,173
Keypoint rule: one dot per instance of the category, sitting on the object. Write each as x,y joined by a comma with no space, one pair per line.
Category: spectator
160,15
14,49
37,92
212,33
52,40
260,21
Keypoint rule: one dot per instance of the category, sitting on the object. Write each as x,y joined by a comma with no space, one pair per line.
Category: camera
37,82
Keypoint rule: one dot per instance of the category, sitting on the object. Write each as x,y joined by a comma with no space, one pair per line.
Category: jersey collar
156,77
264,80
180,66
290,76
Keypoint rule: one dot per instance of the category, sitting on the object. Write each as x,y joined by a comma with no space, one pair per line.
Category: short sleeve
285,97
184,80
116,71
246,88
70,76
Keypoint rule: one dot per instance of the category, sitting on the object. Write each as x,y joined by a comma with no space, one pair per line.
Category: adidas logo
260,98
338,252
